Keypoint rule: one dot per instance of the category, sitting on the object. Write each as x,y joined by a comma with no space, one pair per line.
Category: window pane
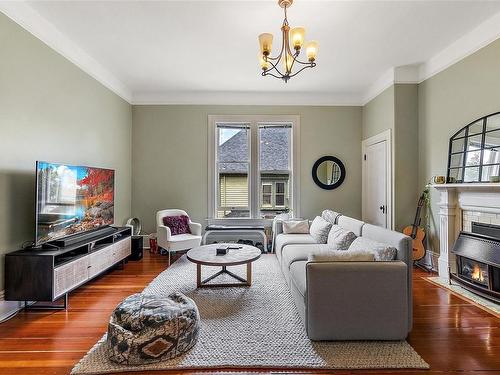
493,122
232,144
456,174
457,145
490,170
474,142
266,200
280,199
233,191
476,127
456,160
233,169
266,188
471,174
280,187
274,164
491,156
472,158
492,139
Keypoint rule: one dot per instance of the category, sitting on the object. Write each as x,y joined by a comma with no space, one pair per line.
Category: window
474,151
232,165
251,166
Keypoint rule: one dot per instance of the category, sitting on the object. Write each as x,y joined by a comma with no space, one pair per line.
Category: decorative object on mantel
438,179
289,59
474,151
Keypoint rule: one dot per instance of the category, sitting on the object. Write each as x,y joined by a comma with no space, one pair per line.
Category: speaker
137,249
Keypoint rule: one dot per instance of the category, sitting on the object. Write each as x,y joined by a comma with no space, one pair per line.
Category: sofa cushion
342,256
330,216
296,227
339,238
290,239
381,251
349,223
298,276
294,253
319,229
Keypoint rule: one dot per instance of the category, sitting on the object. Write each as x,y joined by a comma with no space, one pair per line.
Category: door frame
387,137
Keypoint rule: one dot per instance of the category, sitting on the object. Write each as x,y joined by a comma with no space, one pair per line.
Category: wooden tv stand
50,274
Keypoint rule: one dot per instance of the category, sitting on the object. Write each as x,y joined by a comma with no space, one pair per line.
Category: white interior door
375,210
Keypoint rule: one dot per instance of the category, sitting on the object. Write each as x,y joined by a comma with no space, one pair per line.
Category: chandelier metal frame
285,53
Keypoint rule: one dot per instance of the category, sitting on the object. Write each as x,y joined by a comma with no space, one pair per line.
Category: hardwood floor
452,335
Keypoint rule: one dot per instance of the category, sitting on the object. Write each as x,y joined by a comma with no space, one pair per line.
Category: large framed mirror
328,172
474,151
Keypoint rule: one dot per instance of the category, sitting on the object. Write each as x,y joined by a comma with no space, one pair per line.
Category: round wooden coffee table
207,256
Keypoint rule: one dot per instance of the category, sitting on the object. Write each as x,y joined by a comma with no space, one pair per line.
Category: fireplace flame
477,274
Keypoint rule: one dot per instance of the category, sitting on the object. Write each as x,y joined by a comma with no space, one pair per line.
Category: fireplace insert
478,262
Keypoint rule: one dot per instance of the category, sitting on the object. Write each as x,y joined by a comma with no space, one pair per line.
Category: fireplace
478,260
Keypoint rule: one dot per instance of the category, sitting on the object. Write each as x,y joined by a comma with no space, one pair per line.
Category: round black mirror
328,172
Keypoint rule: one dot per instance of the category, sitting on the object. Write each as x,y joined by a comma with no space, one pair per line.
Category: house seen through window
253,164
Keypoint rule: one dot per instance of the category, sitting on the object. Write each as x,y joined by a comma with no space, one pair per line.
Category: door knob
382,208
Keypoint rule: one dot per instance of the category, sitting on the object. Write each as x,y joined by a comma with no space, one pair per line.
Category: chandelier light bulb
312,50
297,35
264,64
266,43
287,63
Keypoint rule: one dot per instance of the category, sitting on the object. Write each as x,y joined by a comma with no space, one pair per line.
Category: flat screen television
72,199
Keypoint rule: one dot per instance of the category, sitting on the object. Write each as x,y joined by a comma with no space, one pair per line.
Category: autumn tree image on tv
72,199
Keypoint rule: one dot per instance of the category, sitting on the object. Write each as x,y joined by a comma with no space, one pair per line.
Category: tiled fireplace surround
459,206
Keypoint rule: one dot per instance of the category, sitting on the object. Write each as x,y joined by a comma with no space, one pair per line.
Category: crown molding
33,22
246,98
479,37
407,74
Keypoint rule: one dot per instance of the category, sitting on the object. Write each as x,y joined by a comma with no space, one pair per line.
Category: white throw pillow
319,229
339,238
381,251
330,216
343,256
296,227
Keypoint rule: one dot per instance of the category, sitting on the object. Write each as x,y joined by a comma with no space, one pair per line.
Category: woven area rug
257,327
456,289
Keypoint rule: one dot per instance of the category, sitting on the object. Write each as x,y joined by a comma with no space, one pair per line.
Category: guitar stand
425,267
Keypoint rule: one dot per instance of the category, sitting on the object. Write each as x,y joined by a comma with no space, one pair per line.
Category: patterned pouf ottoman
146,328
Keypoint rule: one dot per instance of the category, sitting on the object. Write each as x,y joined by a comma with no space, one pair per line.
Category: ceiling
206,51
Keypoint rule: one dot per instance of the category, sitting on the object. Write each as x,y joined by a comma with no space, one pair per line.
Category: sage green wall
405,147
169,153
396,108
448,101
51,110
378,114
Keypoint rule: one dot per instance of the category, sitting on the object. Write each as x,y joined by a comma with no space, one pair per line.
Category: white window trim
253,120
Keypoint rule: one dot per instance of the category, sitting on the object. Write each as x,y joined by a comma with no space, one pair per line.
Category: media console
49,274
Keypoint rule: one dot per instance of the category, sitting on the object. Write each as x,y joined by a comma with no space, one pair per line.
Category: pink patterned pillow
177,224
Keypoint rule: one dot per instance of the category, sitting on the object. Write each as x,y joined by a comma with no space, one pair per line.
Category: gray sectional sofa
349,300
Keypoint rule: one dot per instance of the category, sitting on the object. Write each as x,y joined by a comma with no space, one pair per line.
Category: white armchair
178,242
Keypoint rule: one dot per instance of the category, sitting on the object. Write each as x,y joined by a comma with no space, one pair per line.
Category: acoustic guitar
416,232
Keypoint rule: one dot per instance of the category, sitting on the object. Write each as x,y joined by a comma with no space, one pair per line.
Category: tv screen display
72,199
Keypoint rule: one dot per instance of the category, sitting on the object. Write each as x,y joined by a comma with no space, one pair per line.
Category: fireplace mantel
481,197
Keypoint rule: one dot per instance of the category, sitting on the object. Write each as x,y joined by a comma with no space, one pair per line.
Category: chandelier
289,53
